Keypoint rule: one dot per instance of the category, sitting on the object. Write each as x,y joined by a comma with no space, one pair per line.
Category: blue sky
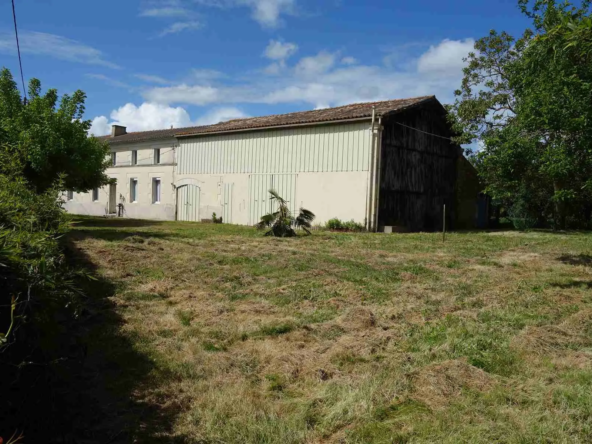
150,64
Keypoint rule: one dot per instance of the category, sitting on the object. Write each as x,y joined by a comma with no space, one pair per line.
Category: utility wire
18,48
425,132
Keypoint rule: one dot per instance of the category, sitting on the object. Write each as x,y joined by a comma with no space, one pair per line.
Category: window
133,190
70,195
156,190
134,157
95,194
113,159
157,156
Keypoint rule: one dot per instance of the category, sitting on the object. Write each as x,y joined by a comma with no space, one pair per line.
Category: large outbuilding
389,163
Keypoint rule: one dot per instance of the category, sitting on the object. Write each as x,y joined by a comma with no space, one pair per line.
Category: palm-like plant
282,222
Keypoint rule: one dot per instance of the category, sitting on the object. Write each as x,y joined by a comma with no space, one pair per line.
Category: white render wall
327,195
144,172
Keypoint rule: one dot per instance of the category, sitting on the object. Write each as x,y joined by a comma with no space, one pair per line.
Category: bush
33,269
334,224
338,225
39,301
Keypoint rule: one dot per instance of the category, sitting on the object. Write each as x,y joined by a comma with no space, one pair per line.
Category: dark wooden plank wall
418,171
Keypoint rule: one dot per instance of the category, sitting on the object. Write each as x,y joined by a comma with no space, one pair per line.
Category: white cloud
196,95
178,27
186,19
153,116
313,66
268,13
221,115
278,50
319,82
100,126
273,69
147,116
166,12
349,61
445,58
55,46
108,80
152,79
206,74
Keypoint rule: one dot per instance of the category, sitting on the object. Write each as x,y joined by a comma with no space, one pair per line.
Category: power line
18,48
425,132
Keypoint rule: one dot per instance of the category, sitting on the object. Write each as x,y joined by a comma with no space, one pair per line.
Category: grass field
215,334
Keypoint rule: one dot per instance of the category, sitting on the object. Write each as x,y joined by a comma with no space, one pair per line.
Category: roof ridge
325,109
350,111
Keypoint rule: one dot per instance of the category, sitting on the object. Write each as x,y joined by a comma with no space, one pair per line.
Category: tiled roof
347,112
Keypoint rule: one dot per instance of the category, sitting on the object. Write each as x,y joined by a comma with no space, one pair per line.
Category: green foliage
282,222
529,100
337,224
35,279
276,382
185,317
276,329
50,139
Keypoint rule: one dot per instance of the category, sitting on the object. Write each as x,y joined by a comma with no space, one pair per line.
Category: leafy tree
52,140
529,100
282,223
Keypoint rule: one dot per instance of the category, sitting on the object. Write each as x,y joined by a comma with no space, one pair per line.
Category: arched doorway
188,203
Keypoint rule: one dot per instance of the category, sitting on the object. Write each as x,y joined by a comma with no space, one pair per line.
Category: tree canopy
529,101
50,137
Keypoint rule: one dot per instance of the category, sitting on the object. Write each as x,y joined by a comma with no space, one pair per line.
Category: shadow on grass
111,235
573,284
576,259
86,389
113,222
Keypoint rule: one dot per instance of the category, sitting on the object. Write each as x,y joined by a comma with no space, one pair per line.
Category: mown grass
357,338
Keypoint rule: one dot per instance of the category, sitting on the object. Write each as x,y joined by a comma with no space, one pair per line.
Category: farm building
387,163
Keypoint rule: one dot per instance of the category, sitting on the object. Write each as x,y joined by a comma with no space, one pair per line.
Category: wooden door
227,208
188,203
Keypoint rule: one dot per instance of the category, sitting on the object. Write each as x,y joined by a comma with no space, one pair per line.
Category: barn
383,164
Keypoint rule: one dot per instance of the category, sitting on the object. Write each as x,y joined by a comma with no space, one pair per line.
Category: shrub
33,269
334,224
338,225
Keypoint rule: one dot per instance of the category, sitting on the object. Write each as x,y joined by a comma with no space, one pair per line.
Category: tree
281,223
50,139
529,100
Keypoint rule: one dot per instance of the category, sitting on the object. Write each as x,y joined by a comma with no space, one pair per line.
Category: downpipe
370,180
378,141
374,176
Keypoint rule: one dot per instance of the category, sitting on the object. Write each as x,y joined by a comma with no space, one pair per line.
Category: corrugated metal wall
321,148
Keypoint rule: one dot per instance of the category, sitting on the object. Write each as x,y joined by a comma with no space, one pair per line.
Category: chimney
118,130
